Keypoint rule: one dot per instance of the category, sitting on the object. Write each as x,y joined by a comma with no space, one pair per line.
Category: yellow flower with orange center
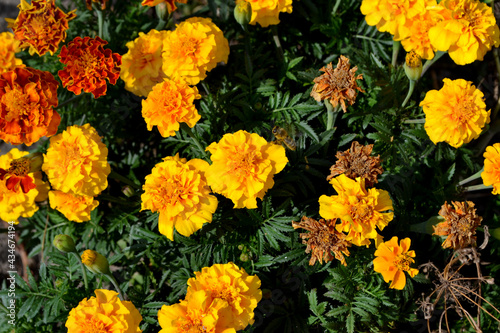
17,175
104,313
418,34
88,66
455,114
178,190
491,173
193,49
360,210
27,100
141,66
41,26
243,167
75,208
266,12
8,50
169,103
76,161
169,3
393,260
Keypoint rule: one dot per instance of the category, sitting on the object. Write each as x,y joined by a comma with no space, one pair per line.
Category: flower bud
413,66
162,11
95,262
495,233
128,191
242,12
64,243
244,257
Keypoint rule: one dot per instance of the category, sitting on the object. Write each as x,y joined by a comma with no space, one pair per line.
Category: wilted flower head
40,25
8,50
323,240
460,223
75,208
169,3
491,173
357,162
338,85
266,12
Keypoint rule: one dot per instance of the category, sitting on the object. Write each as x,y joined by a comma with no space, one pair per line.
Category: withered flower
100,3
459,225
323,240
357,162
337,85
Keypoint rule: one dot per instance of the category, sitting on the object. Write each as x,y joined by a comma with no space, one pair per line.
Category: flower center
361,213
189,46
17,105
94,326
464,226
402,262
192,322
19,167
225,292
242,163
464,111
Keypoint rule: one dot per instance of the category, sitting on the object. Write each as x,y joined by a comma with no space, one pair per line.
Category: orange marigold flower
193,49
88,65
460,223
40,25
323,240
243,167
169,3
75,208
266,12
418,34
8,50
141,66
104,313
102,3
337,85
27,99
169,103
393,260
360,210
455,114
357,162
18,172
491,173
178,190
233,285
77,161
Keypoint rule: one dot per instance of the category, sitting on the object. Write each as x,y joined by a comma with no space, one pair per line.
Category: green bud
413,66
64,243
244,257
95,262
128,191
162,11
495,233
242,12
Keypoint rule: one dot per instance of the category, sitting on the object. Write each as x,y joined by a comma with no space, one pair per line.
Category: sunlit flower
75,208
178,190
76,161
102,3
95,262
337,85
88,66
232,284
169,3
455,114
141,66
104,313
8,50
266,12
323,240
418,34
17,175
169,103
40,25
360,210
243,167
357,162
491,173
193,49
459,226
393,260
27,99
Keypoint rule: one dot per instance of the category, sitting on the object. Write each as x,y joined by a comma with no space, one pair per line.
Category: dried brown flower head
337,85
357,162
459,225
323,240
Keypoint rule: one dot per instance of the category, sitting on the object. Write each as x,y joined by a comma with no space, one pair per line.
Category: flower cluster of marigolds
164,67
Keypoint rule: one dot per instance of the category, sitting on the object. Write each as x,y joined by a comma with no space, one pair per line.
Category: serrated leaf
349,323
304,127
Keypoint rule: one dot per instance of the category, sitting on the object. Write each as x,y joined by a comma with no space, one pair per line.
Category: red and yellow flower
8,50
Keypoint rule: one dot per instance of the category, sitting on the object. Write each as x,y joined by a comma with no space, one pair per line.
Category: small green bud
243,12
413,66
241,247
128,191
495,233
95,262
64,243
244,257
162,11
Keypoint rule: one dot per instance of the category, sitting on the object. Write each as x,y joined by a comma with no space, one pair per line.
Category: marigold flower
455,114
323,240
360,210
168,104
178,190
76,161
232,284
104,313
88,65
243,167
10,46
357,162
27,99
40,25
393,260
337,85
75,208
491,173
193,49
418,33
17,175
266,12
460,223
141,66
169,3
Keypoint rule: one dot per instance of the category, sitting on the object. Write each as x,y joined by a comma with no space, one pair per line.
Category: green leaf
349,323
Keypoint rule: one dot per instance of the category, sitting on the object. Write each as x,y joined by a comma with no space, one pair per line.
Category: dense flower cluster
10,46
266,12
491,173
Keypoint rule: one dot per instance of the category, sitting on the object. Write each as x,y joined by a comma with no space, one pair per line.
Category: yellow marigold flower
232,284
467,30
76,161
360,210
169,3
104,313
193,49
40,25
243,167
393,260
418,34
178,190
169,103
10,46
266,12
75,208
455,114
16,204
141,67
491,173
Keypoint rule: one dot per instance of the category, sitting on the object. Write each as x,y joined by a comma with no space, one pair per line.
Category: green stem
115,283
477,188
410,92
426,227
497,65
100,19
331,114
113,174
428,63
84,272
71,100
471,178
414,121
276,39
188,130
395,51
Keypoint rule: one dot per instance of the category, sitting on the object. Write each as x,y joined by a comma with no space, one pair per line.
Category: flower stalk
471,178
331,114
395,51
